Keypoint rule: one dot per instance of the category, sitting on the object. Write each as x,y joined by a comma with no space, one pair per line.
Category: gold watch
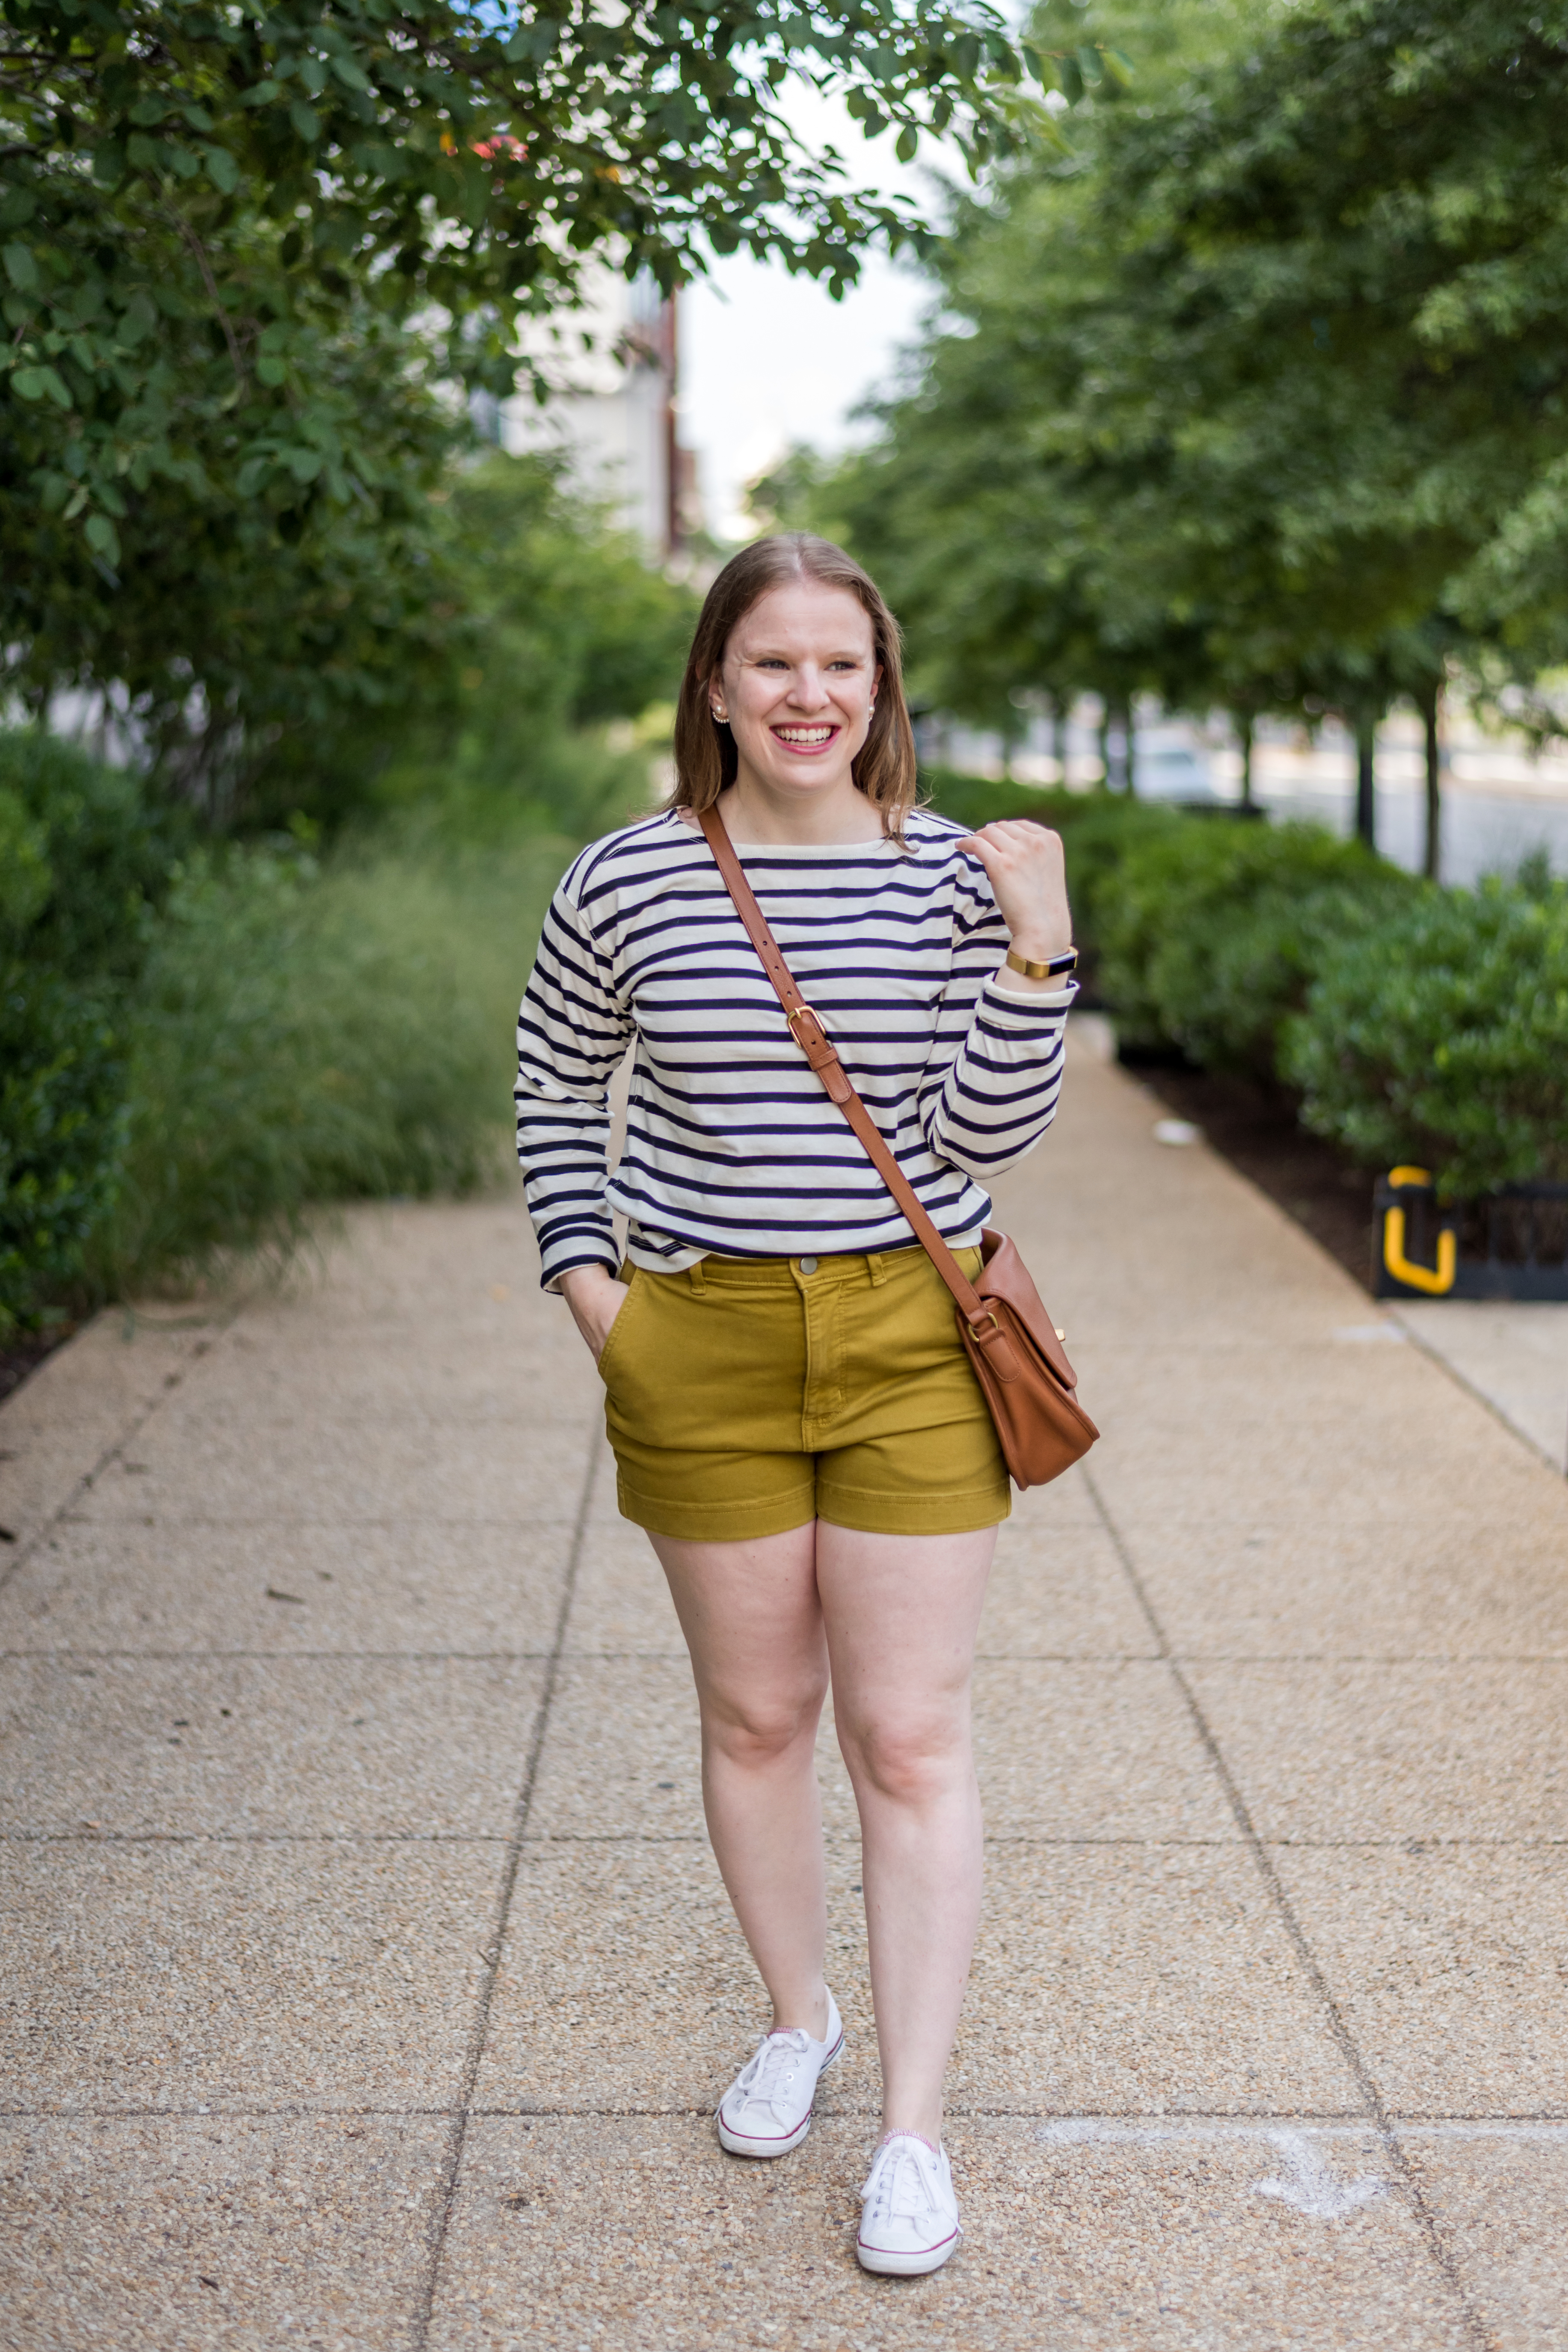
1067,962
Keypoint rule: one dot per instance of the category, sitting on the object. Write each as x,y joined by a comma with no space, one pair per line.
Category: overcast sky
767,360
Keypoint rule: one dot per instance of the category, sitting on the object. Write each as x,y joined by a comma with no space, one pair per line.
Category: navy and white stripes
732,1145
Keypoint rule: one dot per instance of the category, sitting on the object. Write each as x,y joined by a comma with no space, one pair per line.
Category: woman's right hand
596,1296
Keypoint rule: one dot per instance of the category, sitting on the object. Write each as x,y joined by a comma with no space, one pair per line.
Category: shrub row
1414,1023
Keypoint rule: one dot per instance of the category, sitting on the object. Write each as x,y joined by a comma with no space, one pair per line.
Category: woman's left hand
1028,875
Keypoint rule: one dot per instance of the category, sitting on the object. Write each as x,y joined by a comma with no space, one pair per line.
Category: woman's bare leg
753,1626
901,1614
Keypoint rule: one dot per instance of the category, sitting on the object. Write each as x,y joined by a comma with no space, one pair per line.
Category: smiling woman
783,699
795,1420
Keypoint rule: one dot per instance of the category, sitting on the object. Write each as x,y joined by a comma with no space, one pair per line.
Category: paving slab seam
253,1837
491,1958
532,1521
1156,2122
290,1657
1520,1436
1378,2114
61,1516
845,1840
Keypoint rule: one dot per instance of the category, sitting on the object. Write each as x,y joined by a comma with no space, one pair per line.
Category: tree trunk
1429,709
1105,746
1118,717
1366,777
1244,731
1129,752
1059,739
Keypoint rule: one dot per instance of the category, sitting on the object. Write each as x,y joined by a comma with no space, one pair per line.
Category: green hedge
1415,1024
1213,931
1440,1037
84,864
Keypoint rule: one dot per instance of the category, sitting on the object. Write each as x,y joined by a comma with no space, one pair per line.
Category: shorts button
808,1266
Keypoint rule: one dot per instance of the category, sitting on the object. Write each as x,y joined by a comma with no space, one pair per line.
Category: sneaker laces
897,2186
764,2076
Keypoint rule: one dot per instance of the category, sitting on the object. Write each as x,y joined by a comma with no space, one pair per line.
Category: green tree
183,180
1259,403
245,252
564,626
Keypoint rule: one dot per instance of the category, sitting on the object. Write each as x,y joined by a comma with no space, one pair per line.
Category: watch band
1066,963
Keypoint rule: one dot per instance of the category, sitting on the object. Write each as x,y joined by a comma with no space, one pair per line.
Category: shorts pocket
617,1329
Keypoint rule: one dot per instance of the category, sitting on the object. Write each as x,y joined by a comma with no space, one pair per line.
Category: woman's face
797,685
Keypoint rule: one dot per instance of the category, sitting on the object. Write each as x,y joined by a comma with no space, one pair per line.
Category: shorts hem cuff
715,1522
932,1515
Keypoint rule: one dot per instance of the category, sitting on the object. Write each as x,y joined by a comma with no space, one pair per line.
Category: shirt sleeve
991,1086
572,1033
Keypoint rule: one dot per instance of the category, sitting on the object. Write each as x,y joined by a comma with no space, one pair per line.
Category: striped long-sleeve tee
732,1145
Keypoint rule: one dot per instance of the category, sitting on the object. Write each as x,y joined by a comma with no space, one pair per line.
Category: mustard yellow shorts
749,1395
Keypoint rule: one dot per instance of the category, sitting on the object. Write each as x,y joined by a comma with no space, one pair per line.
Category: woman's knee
757,1728
910,1757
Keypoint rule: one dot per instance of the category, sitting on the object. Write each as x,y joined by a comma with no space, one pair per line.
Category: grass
307,1034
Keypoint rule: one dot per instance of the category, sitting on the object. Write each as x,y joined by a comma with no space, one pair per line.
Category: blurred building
614,365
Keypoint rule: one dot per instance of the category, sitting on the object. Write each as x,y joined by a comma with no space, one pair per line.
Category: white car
1170,771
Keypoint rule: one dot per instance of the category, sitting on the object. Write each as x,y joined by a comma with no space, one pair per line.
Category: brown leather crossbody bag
1013,1346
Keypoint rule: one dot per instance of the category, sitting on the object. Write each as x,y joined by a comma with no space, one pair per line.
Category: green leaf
222,170
353,77
908,143
270,370
21,268
305,121
138,320
102,536
40,383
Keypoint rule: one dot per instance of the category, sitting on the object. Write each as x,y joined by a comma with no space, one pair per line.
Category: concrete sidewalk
369,1983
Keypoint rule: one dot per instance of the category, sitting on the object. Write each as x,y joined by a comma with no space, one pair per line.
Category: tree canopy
1260,400
191,193
252,255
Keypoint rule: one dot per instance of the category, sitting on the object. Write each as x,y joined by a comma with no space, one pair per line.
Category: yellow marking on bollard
1433,1279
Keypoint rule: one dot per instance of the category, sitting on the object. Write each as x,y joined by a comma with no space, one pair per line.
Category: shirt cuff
1055,1000
550,1277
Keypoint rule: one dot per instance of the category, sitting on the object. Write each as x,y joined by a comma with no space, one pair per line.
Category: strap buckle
804,1007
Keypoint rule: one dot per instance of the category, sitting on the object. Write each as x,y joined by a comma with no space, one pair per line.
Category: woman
795,1421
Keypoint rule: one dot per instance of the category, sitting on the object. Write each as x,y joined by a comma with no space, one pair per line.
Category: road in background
1499,803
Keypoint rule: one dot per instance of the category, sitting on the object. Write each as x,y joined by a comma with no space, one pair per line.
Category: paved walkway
369,1981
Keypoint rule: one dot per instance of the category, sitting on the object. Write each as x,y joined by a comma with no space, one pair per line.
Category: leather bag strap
820,1052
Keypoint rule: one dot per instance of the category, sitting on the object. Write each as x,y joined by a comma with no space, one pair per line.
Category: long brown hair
705,756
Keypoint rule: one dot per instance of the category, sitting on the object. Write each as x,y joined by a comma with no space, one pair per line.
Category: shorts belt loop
695,1277
877,1267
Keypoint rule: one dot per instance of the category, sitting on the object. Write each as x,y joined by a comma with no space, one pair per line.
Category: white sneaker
766,2110
909,2219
